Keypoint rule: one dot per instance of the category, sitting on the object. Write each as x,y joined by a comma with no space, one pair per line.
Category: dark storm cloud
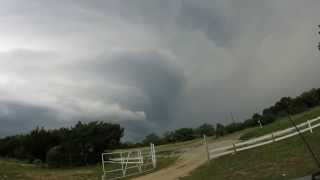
158,79
153,65
17,117
151,73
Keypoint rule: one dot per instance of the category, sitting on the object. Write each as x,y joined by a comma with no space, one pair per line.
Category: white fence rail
117,165
264,140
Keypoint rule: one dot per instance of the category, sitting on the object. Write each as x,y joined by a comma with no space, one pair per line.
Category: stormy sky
151,65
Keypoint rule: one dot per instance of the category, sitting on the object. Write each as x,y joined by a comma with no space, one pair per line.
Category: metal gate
117,165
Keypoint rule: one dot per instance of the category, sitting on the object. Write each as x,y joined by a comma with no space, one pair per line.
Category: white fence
263,140
117,165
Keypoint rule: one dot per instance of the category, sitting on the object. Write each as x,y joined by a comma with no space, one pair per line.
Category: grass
280,124
283,160
174,146
16,170
278,161
180,145
173,149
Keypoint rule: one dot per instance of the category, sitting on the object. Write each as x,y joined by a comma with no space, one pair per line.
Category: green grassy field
282,160
16,170
280,124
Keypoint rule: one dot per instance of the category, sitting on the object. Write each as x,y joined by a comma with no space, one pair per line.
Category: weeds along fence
264,140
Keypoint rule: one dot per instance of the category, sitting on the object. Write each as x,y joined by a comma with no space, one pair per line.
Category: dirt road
187,162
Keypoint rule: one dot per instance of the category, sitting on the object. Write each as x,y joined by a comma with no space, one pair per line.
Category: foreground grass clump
17,170
280,124
282,160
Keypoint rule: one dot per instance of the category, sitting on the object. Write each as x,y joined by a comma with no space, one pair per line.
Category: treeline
185,134
280,109
286,106
81,144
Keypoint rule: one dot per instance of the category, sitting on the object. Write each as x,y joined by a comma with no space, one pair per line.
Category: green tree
220,130
205,129
233,127
168,137
79,145
38,142
151,138
184,134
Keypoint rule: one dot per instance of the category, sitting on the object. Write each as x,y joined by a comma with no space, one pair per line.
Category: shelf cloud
151,66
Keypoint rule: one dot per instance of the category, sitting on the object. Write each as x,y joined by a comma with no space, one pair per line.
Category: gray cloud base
151,65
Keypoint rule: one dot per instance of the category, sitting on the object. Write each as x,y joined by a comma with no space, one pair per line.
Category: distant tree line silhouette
81,144
286,106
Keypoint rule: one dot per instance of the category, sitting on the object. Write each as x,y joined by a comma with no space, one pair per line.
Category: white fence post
122,165
273,138
260,124
141,161
153,155
310,127
103,177
234,148
206,146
